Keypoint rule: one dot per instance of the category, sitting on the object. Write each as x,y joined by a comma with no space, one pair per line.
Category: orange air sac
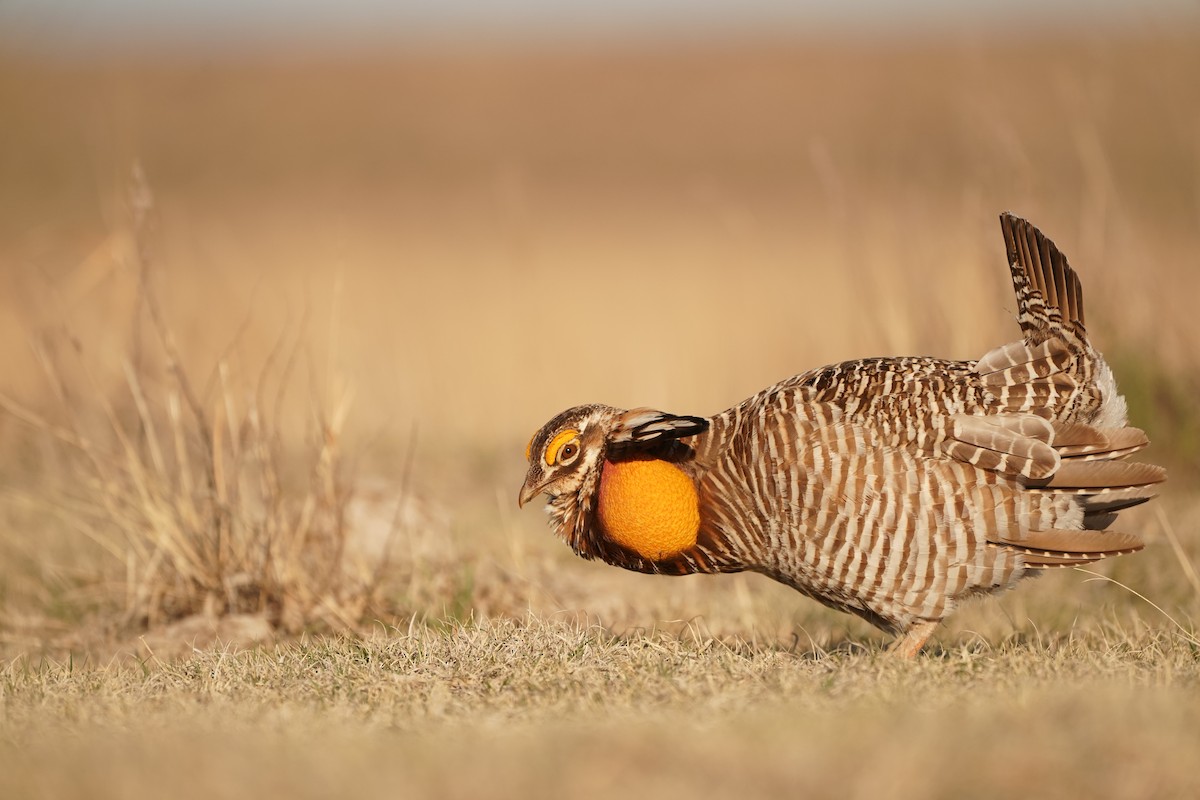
649,507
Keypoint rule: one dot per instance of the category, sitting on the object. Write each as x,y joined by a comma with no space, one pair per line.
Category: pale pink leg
913,640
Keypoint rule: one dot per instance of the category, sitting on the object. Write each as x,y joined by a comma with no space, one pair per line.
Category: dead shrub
199,496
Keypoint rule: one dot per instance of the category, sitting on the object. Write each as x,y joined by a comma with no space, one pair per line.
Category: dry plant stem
1184,563
187,493
404,490
1189,635
142,202
33,420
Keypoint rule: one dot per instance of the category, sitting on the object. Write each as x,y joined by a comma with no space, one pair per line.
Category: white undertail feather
1113,411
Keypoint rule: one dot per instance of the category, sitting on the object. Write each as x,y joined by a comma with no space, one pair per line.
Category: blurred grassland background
420,254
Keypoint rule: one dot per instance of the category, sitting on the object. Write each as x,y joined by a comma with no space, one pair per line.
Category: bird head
568,455
565,455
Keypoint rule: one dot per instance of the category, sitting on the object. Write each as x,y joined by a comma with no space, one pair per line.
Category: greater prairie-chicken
891,488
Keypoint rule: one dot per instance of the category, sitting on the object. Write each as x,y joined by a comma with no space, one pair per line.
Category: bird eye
562,448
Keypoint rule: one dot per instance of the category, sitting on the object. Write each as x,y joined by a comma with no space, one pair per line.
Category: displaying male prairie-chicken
892,488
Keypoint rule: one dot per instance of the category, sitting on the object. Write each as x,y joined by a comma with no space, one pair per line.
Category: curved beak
531,489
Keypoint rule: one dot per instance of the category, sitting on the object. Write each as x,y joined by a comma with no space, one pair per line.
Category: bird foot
913,640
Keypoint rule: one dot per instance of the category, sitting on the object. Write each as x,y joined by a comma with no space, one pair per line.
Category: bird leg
913,640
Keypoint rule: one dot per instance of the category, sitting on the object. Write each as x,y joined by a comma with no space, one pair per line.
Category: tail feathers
1080,442
1049,294
1023,378
1099,520
1068,548
1019,362
1099,512
1056,562
1015,445
1075,543
1059,459
1047,454
1119,499
1102,487
1100,477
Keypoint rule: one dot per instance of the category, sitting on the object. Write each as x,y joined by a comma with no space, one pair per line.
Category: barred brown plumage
891,488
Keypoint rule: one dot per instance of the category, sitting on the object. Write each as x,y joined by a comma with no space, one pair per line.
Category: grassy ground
261,448
542,708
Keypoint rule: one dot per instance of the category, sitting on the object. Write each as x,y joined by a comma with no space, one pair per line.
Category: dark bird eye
557,451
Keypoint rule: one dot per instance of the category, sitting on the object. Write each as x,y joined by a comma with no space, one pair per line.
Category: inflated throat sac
649,507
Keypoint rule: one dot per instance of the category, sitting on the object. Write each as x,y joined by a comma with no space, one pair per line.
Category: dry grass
188,490
514,709
469,242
